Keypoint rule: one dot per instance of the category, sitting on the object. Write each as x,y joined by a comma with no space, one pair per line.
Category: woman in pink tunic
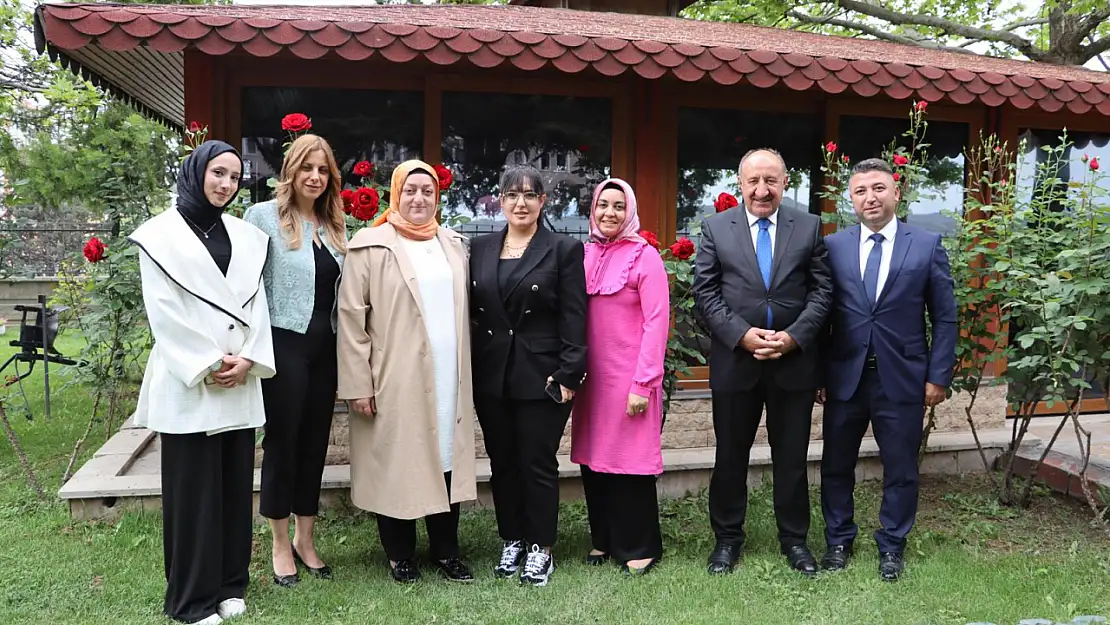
618,412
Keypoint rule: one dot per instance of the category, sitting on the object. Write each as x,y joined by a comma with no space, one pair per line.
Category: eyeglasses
512,196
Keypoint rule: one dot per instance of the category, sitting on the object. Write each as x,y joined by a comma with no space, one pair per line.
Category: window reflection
568,139
711,143
868,137
1036,165
383,127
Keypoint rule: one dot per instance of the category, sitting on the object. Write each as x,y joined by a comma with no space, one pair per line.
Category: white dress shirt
865,244
753,225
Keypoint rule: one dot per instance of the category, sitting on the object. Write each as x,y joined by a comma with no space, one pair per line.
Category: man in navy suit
879,367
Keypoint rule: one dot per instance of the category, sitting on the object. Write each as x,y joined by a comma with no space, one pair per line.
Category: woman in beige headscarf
404,369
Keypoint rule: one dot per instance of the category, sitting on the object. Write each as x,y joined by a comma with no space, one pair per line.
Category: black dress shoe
801,559
454,570
597,559
406,572
836,558
323,572
723,559
891,566
287,581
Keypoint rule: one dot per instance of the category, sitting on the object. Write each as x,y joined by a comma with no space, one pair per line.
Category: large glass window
1036,164
383,127
867,137
711,143
569,139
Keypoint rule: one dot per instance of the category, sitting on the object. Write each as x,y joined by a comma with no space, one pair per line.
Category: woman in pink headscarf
618,413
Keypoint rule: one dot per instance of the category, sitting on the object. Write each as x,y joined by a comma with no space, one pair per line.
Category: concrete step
124,474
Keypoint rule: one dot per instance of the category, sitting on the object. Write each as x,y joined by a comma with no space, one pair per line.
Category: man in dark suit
763,288
880,369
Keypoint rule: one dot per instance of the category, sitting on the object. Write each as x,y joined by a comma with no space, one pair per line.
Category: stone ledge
105,476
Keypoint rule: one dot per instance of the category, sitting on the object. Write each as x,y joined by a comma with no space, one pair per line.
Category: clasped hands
233,371
767,344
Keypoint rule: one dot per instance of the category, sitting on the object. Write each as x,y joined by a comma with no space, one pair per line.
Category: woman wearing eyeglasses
528,311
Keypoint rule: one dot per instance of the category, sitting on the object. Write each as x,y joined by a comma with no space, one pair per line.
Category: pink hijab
608,261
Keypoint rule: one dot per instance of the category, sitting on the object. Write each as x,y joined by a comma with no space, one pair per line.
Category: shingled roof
117,43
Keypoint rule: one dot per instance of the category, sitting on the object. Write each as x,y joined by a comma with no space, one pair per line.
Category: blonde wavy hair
329,206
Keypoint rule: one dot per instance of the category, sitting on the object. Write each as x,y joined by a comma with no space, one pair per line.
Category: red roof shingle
572,41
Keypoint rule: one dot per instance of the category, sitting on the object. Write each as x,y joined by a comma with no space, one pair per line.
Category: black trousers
206,520
735,421
398,536
898,431
522,439
300,401
624,514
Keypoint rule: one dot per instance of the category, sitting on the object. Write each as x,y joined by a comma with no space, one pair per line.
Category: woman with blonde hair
308,241
404,369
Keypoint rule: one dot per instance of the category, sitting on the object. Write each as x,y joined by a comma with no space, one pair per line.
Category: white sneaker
230,608
512,552
211,620
537,567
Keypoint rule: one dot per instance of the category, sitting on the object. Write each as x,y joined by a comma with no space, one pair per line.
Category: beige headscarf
404,227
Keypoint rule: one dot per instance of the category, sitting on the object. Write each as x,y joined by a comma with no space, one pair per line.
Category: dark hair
419,170
612,185
514,178
872,164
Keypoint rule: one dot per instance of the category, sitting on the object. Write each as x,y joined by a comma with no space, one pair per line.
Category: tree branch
872,31
1092,21
1020,43
1096,49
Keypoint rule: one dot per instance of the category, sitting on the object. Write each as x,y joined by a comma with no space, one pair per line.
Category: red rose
724,202
296,122
363,169
1002,182
1094,163
683,249
365,205
650,238
194,127
94,250
830,147
1084,158
897,176
900,161
844,158
584,148
348,196
445,177
997,149
921,106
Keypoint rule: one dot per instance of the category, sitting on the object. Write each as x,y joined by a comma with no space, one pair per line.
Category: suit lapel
902,243
783,229
537,250
408,274
488,259
853,268
191,267
743,233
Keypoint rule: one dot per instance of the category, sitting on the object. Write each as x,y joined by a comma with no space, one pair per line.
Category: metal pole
45,356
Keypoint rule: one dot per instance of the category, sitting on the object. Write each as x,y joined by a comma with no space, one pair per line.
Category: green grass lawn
969,560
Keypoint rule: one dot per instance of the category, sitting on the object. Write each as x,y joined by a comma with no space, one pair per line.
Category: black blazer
732,298
539,324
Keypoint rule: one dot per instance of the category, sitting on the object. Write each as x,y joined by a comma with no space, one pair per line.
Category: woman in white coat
202,392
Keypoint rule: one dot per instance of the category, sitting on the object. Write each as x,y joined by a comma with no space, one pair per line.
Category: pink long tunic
626,338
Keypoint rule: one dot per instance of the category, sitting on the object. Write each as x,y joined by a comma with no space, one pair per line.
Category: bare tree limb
1088,25
1023,45
1096,48
872,31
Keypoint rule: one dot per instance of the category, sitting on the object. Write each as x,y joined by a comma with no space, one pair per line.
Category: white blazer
197,315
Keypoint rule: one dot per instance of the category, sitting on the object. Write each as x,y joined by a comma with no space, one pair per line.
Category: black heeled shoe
287,581
597,559
627,570
323,572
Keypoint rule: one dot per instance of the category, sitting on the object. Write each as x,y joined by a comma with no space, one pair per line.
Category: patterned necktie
763,255
871,270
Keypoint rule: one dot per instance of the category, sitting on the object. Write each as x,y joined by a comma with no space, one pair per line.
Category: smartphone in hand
554,391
